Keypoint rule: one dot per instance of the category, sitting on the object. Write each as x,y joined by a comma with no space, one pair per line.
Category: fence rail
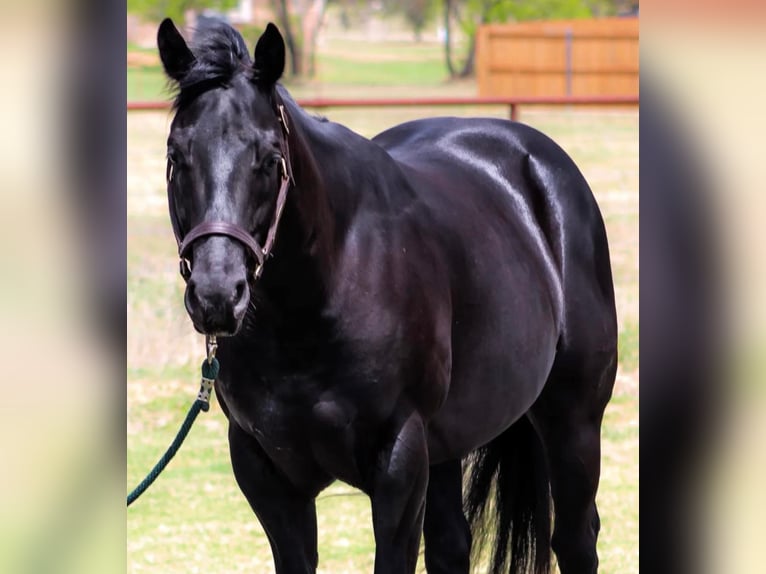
513,103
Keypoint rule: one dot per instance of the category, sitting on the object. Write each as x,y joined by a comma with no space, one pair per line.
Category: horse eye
272,161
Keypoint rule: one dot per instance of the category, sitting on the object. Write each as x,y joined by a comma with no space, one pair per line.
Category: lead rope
210,368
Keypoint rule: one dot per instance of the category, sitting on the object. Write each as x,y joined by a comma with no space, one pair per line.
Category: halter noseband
232,230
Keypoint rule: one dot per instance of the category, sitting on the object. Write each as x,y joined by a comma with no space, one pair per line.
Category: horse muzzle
217,292
217,307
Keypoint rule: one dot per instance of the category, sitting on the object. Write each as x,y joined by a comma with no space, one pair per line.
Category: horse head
226,170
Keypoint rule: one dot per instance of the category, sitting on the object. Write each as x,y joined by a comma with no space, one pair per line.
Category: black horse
438,295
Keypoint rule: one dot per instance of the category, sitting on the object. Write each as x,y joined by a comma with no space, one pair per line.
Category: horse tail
507,501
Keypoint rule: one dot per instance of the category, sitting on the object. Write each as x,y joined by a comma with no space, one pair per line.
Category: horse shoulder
391,298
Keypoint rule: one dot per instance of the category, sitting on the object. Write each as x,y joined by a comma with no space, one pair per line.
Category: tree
470,14
300,21
354,12
417,13
175,9
602,8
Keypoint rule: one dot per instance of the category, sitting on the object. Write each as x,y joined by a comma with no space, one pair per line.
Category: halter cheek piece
232,230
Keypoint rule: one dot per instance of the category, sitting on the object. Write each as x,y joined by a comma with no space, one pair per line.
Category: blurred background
577,60
396,47
82,184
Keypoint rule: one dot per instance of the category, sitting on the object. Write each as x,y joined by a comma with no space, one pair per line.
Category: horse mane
220,53
315,209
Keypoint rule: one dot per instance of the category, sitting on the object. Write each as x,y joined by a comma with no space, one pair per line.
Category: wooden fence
561,58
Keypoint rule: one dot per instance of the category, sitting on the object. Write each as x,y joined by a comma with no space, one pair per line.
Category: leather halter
232,230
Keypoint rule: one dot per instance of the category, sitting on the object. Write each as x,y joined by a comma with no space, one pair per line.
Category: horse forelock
220,53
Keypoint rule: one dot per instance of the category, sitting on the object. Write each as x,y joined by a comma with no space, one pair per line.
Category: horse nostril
240,291
191,290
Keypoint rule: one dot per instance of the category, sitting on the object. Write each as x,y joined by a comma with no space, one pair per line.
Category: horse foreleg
446,531
398,498
287,515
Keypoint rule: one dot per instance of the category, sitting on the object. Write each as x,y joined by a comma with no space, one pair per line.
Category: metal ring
212,347
283,119
285,175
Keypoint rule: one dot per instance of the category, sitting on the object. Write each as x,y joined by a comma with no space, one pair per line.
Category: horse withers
390,312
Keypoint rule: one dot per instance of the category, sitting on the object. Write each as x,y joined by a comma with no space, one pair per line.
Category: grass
340,63
194,518
351,63
340,70
147,83
627,345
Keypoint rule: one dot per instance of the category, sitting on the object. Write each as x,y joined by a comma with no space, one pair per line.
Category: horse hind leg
568,417
445,530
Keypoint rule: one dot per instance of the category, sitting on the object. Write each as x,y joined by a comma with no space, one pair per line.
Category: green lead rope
209,374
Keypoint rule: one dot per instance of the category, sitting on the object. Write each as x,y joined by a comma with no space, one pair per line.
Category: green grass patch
163,372
627,346
133,47
147,83
336,70
339,63
617,497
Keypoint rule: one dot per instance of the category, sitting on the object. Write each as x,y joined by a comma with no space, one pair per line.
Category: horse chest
305,431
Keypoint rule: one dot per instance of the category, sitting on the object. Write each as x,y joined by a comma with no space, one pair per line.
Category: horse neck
328,176
337,173
316,214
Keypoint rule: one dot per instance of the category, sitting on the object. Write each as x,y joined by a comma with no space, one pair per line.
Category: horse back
529,274
481,175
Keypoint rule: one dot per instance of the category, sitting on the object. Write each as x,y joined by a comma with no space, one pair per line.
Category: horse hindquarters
516,514
569,411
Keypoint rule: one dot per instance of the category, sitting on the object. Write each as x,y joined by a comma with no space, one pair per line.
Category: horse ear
176,56
269,57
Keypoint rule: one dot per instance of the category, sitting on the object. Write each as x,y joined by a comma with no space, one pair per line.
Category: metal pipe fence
513,103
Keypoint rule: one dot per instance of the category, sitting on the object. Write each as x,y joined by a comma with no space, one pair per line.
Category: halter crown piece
232,230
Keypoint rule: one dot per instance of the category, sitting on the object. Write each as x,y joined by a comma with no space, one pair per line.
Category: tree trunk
470,59
448,38
293,45
311,23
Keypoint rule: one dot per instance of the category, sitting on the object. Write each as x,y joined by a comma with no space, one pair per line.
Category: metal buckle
283,118
212,346
285,175
184,268
259,266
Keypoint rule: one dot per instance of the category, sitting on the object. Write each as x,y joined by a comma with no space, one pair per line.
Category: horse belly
501,360
465,423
